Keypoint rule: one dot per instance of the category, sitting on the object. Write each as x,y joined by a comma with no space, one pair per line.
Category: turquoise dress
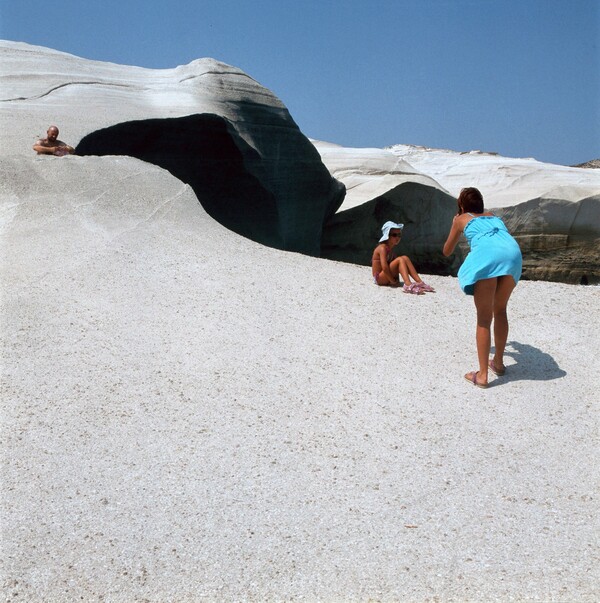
494,252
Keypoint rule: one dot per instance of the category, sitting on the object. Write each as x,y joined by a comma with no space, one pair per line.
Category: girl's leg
398,266
384,281
484,293
409,269
505,287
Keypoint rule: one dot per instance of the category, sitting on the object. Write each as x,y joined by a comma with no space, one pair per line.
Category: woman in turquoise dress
489,273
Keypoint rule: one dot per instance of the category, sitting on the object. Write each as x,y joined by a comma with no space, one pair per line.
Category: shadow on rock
531,364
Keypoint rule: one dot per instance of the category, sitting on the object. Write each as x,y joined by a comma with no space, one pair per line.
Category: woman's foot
497,369
472,377
413,288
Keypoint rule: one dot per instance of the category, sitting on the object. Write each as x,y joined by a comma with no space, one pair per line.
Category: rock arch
235,184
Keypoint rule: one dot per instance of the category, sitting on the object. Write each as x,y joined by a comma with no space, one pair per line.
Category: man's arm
63,149
60,148
43,149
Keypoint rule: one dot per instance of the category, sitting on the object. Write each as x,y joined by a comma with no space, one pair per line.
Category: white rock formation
368,172
503,181
553,210
279,192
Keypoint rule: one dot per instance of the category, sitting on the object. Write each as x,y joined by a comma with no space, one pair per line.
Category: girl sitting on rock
386,267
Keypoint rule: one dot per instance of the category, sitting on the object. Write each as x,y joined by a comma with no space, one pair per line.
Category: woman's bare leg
484,293
505,287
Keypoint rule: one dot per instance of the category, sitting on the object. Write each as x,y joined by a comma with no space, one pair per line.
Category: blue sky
517,77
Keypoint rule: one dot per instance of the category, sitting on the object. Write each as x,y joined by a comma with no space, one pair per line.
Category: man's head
52,133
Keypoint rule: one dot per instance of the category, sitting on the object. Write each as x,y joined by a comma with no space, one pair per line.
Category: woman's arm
458,224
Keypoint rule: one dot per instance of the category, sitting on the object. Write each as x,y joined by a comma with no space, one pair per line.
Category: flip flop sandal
412,289
494,370
472,378
426,287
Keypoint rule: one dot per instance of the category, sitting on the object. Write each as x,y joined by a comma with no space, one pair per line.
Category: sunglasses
395,234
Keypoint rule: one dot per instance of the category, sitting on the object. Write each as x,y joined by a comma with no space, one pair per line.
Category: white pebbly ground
190,416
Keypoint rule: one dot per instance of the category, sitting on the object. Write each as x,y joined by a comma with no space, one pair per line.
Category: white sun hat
385,229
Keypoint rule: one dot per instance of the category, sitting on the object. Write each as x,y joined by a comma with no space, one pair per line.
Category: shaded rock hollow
200,151
425,211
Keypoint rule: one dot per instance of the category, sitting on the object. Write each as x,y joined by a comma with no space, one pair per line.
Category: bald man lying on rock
51,145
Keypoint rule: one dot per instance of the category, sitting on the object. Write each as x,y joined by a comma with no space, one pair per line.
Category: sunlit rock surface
560,239
503,181
209,123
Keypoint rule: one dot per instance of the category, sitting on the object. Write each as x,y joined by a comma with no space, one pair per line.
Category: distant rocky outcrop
208,123
552,210
593,164
503,181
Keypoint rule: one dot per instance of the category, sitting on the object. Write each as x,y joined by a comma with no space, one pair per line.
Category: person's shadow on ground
531,364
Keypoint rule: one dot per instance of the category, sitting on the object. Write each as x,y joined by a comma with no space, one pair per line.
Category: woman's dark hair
470,199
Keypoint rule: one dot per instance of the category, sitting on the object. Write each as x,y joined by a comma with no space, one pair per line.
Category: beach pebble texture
188,415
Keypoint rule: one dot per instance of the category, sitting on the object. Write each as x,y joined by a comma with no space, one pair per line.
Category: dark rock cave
200,151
